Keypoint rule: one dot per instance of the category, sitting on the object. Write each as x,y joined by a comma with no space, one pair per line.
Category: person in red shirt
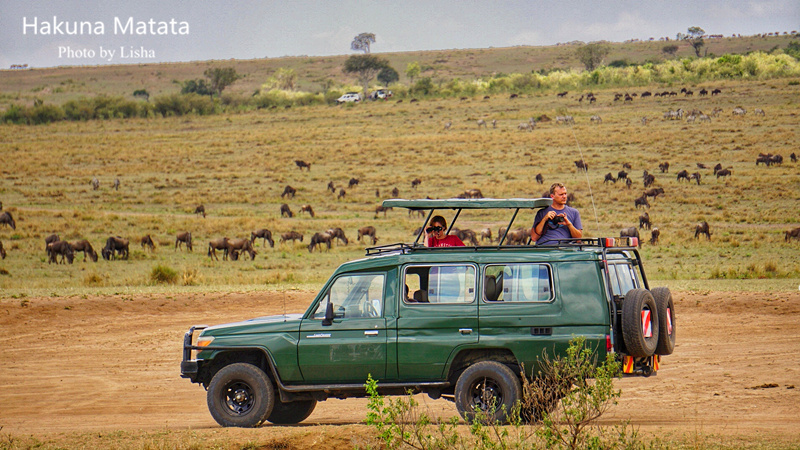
435,234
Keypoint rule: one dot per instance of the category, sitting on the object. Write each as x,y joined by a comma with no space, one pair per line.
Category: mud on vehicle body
458,323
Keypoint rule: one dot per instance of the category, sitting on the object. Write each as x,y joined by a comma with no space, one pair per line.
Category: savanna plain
93,348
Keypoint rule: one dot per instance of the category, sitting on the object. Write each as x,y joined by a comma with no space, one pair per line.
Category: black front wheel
292,412
487,390
240,395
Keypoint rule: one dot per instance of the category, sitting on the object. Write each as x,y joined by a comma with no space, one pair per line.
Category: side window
517,283
440,284
354,296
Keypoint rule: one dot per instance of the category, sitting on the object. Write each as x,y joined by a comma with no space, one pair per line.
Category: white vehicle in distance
349,97
381,94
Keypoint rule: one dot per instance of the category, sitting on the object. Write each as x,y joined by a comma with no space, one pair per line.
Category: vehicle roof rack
617,243
469,203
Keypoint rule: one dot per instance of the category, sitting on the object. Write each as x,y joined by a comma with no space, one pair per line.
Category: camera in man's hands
434,229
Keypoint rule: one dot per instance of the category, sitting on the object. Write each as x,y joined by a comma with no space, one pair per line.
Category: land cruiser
458,323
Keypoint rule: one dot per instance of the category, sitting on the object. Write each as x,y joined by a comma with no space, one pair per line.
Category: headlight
204,341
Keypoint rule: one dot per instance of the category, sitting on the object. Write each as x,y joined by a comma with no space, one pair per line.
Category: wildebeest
116,184
114,245
184,238
539,178
382,209
291,236
481,123
654,192
701,166
723,173
581,165
6,219
610,178
717,168
341,195
644,221
200,210
518,236
331,187
621,175
263,234
683,175
50,239
702,228
562,94
218,244
308,209
415,182
467,236
62,249
147,241
626,166
318,239
395,192
654,234
2,251
84,246
628,183
338,233
791,234
288,191
793,157
285,211
649,179
695,176
352,183
596,119
664,167
641,201
241,245
95,184
300,164
631,232
367,231
473,193
759,112
486,233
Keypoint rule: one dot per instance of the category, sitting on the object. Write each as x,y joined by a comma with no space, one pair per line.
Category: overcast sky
257,29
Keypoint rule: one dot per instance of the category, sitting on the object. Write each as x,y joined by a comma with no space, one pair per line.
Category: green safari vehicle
457,323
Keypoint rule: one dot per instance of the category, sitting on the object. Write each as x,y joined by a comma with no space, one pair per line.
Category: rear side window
440,284
517,283
622,278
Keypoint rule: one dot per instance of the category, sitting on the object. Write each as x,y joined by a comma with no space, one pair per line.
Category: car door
354,345
438,317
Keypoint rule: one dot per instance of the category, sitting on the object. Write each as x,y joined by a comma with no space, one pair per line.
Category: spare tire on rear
666,320
640,323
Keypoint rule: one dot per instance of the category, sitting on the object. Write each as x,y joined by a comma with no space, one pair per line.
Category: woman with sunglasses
435,234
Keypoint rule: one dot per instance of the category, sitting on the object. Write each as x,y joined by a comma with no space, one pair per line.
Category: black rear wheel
490,388
639,323
292,412
240,395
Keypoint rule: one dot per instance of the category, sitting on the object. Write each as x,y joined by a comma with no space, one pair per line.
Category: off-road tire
636,301
240,395
490,387
666,320
293,412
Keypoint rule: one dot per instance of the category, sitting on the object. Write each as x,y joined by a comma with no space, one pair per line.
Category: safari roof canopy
470,203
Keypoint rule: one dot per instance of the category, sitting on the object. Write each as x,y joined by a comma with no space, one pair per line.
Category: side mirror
328,320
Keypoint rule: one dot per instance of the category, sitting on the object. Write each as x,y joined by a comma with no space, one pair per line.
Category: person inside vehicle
557,221
435,234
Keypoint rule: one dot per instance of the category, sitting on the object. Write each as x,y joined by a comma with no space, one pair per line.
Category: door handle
319,335
465,330
371,333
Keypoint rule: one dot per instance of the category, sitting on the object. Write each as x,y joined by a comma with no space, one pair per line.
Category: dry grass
237,166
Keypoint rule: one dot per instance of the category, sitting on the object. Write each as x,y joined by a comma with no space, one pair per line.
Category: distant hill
57,85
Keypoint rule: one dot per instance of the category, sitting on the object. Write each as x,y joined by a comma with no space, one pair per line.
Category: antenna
586,173
284,304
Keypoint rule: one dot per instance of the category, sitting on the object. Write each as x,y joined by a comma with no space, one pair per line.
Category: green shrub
41,114
163,275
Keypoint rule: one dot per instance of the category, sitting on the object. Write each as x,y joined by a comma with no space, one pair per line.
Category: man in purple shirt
557,221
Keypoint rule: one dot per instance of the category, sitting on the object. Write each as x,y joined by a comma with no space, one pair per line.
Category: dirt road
97,364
